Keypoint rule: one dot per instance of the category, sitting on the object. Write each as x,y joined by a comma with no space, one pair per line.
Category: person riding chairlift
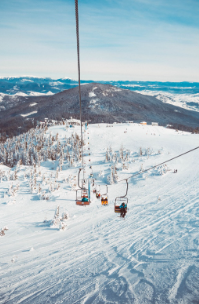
104,200
98,195
123,210
85,199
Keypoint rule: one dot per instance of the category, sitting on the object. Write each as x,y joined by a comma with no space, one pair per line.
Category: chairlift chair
83,194
118,202
104,197
98,195
121,199
91,174
82,198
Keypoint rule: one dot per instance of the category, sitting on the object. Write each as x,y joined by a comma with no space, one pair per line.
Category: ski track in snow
152,256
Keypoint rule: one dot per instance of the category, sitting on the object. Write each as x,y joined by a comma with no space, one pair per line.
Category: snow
14,96
149,257
73,120
2,96
31,93
33,104
186,101
19,94
67,78
111,90
55,83
39,93
134,85
26,79
28,114
93,101
92,94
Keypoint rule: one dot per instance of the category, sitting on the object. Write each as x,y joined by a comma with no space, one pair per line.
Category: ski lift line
126,179
78,65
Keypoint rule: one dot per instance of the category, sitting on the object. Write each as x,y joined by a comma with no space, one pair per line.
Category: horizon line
68,78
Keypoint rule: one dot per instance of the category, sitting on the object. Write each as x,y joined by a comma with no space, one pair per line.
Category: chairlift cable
125,179
78,65
85,193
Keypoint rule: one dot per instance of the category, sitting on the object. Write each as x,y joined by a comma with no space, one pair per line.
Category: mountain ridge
100,103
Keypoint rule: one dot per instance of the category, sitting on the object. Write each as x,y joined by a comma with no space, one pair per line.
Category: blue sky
119,40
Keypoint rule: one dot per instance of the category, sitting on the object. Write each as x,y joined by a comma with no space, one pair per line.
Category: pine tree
56,219
57,173
39,188
27,159
121,153
107,158
15,175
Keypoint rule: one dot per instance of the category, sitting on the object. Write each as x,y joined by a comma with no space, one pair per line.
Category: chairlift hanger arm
78,178
127,186
106,194
80,187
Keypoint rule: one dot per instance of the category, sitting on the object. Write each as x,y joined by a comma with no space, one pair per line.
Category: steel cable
78,65
125,179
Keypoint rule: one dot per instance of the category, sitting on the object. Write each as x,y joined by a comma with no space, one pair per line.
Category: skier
123,210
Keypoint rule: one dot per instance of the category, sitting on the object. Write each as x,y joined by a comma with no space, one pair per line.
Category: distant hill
100,103
45,85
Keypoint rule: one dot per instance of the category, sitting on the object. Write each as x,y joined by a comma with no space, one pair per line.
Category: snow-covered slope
186,101
149,257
